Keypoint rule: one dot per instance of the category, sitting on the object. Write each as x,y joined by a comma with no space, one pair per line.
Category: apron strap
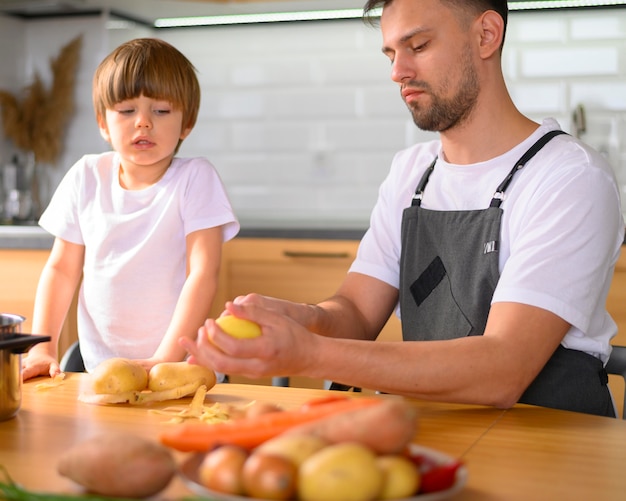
419,191
532,151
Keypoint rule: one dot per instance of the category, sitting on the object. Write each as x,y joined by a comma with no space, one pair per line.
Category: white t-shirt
561,233
135,249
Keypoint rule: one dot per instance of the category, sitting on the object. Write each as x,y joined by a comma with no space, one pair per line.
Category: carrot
387,428
253,431
324,400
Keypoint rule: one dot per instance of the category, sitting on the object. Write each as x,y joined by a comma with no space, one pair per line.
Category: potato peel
139,397
53,383
196,410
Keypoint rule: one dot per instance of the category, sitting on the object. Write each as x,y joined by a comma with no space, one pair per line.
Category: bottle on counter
9,187
16,204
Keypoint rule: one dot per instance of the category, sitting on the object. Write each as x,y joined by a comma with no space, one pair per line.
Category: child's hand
38,363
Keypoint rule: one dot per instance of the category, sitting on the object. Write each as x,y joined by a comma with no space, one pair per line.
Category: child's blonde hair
149,67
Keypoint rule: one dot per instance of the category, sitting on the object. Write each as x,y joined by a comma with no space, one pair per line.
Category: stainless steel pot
12,345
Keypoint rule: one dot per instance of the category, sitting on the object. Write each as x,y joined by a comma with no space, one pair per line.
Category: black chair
72,360
617,365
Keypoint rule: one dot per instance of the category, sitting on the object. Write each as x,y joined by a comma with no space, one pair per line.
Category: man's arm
492,369
358,310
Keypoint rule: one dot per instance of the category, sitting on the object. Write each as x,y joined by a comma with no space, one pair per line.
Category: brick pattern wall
302,120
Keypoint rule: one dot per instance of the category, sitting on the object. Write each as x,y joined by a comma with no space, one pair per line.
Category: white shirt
135,249
562,227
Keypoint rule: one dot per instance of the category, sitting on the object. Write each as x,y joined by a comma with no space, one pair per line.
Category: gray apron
448,275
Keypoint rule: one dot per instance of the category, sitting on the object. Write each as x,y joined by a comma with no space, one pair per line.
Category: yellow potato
170,375
295,448
238,327
401,477
118,375
340,472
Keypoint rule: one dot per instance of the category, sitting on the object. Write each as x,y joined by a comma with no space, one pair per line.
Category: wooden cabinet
20,270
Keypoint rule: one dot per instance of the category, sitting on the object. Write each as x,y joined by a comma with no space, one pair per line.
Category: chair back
617,366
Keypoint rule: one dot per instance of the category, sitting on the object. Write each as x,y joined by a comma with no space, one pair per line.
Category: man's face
432,61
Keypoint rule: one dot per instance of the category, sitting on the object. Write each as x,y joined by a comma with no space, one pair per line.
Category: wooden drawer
20,270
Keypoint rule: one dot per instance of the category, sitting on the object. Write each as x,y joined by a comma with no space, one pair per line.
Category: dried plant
38,122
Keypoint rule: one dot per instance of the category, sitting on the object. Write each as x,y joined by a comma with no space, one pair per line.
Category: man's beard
444,114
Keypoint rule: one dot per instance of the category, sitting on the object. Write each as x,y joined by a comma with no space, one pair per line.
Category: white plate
189,472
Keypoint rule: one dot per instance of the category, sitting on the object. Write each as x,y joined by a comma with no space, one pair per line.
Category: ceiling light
556,4
273,17
323,15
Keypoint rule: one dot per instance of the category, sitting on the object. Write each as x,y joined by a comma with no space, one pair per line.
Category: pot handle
21,343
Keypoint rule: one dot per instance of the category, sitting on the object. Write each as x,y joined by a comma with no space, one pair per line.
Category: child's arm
204,251
55,292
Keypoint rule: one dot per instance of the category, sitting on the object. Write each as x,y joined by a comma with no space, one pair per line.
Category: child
144,228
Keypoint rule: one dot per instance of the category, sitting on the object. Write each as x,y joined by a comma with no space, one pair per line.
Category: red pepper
440,477
435,476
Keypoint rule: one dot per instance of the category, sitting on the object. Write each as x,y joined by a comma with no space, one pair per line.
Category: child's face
144,131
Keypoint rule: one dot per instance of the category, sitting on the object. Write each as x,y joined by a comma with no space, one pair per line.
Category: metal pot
12,345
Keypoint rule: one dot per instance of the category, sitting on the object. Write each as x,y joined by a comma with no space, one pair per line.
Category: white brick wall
301,119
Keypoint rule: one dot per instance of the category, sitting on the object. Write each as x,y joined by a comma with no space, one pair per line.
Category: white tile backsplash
602,27
600,96
569,62
302,119
544,98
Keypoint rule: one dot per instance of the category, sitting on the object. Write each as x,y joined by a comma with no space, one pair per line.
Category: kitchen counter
24,237
34,237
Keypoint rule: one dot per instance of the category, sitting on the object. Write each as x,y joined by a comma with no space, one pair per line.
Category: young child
142,227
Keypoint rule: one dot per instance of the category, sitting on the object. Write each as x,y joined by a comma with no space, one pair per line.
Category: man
501,294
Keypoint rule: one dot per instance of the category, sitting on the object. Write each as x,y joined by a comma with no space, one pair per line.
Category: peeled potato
170,375
119,375
119,464
238,327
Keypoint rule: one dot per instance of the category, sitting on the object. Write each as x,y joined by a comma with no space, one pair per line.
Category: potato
295,448
119,464
269,477
401,477
119,375
221,469
238,327
342,472
170,375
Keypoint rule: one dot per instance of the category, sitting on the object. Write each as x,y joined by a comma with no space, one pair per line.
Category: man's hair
149,67
473,7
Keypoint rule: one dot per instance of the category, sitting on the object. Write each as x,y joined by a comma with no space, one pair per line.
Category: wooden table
522,453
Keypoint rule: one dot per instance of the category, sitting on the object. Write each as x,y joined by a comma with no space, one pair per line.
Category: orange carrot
323,400
250,432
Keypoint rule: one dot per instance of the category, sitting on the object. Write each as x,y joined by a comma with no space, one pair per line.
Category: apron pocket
432,294
428,281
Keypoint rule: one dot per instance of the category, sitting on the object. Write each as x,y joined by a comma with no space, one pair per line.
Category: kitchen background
301,118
